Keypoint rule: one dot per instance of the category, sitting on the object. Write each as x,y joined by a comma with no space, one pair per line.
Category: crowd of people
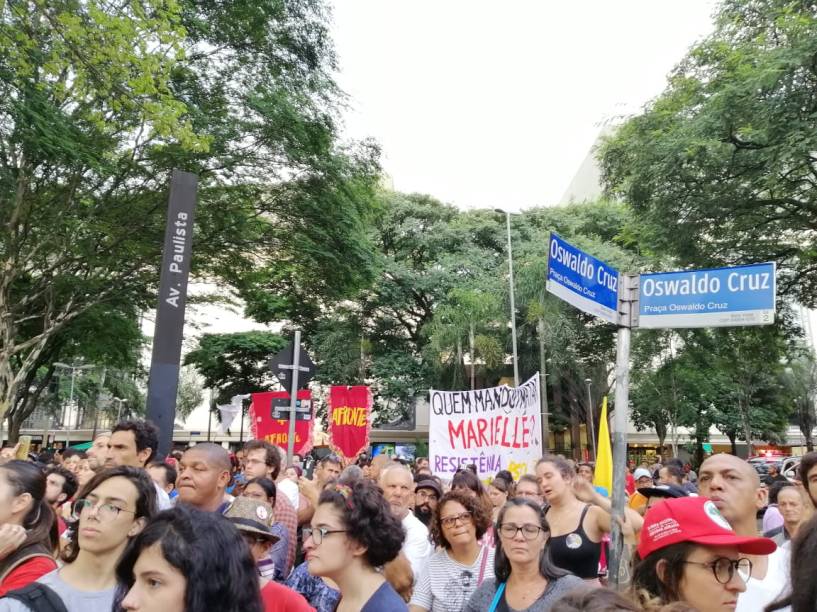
114,528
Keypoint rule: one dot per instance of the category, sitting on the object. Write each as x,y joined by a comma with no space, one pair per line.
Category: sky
496,104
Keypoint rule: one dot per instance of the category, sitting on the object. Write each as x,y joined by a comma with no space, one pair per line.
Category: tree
190,394
235,364
99,103
800,380
721,166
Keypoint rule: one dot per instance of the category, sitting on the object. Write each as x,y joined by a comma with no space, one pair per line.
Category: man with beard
426,495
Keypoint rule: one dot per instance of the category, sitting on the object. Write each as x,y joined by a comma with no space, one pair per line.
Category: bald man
734,487
397,483
204,475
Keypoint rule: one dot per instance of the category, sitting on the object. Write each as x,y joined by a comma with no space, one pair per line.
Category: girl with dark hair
575,545
187,560
688,552
499,491
467,481
352,534
275,563
525,577
111,510
28,536
460,564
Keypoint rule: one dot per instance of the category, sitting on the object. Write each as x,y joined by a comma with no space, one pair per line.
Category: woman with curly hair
353,533
460,564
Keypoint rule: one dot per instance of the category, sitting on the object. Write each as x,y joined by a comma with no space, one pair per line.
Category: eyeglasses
426,494
450,521
529,531
105,512
319,533
724,569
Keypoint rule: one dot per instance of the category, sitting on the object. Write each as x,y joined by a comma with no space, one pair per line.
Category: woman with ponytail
28,531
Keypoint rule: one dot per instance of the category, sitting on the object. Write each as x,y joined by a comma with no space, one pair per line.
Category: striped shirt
444,585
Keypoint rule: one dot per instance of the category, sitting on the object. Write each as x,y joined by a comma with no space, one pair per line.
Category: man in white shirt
734,487
398,489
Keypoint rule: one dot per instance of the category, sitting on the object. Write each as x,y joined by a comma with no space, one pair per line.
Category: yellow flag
603,477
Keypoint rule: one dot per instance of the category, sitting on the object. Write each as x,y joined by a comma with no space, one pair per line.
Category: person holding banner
576,545
460,564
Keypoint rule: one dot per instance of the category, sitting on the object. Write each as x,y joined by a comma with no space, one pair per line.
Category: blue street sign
582,280
721,297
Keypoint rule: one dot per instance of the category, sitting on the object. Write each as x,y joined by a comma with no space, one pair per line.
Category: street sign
281,366
720,297
281,405
582,280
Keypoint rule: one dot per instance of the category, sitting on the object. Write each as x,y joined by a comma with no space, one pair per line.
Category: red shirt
278,598
26,573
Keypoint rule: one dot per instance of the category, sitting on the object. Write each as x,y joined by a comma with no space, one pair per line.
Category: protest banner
495,429
349,419
276,431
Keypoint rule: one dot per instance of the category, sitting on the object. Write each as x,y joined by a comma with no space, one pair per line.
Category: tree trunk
747,426
733,440
14,429
471,352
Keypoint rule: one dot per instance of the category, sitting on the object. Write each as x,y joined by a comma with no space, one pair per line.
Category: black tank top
575,552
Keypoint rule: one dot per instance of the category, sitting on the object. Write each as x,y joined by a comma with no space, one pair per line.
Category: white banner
495,429
230,411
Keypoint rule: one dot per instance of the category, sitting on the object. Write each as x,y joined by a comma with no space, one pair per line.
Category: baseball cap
696,520
664,490
641,473
252,516
429,484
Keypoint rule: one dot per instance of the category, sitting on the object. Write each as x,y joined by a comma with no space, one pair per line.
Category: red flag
350,419
275,431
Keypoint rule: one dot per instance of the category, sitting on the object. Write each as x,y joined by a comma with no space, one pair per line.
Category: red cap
697,520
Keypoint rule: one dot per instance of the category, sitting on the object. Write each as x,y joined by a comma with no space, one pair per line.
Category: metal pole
543,389
591,419
68,411
628,309
210,415
293,395
513,305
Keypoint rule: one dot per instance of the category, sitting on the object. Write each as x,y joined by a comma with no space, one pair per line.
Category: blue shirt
385,599
320,595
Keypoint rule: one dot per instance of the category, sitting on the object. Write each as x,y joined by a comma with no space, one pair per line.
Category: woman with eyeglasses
273,566
353,533
526,580
460,564
689,553
111,510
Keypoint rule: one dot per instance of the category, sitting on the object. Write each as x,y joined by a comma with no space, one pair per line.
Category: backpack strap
38,597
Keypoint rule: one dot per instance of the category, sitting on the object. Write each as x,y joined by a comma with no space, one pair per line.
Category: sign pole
628,318
293,395
167,337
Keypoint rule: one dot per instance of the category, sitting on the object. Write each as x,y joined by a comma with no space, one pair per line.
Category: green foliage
190,393
235,364
720,167
99,102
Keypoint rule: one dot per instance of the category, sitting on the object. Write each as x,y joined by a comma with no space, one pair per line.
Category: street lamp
74,369
513,305
121,401
591,417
